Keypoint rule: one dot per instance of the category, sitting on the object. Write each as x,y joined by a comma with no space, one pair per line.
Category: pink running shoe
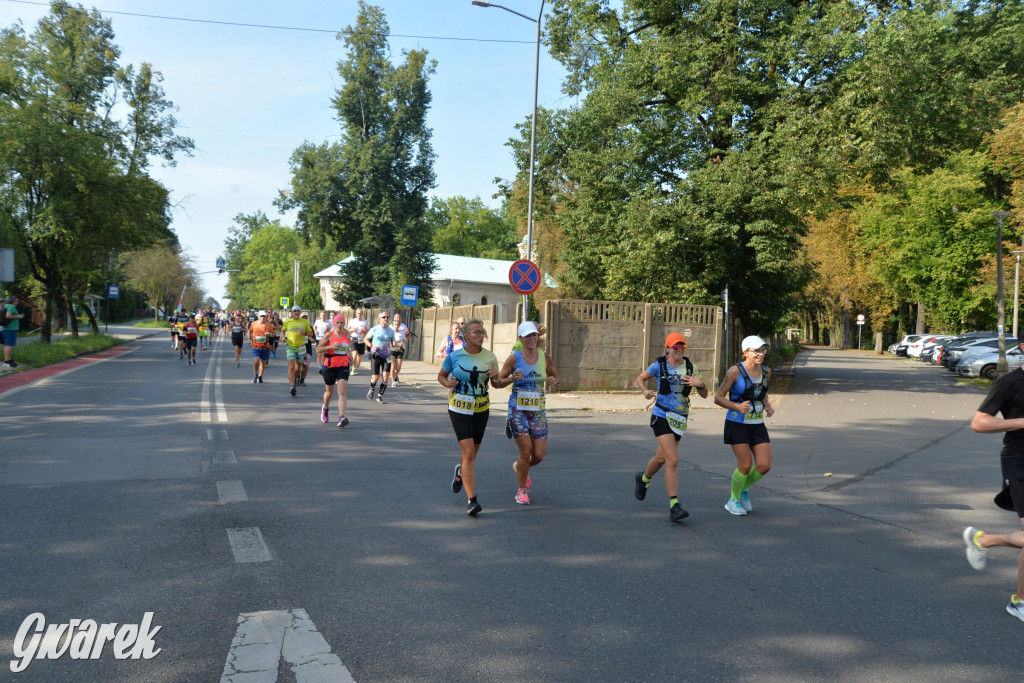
323,415
523,497
515,468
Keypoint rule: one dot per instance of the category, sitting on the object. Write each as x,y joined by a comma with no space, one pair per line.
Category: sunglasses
679,347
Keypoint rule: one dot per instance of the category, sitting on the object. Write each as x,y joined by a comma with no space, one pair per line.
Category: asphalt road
124,491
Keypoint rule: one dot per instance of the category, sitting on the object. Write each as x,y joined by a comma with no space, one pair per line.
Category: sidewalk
125,331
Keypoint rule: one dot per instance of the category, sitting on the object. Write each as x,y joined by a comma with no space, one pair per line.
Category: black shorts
1013,481
332,375
377,363
397,353
190,343
739,433
359,347
236,340
469,426
660,427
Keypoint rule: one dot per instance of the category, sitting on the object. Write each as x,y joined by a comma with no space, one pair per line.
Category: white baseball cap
752,342
527,328
261,314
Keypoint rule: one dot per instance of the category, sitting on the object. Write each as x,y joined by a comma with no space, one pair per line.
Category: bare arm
983,423
641,382
722,395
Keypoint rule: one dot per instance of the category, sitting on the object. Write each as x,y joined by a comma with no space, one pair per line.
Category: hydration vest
664,388
751,392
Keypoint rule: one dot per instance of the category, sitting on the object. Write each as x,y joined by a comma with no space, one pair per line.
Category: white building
456,280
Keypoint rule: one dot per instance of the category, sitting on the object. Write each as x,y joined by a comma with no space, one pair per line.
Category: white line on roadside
224,458
231,492
218,395
247,545
223,434
209,435
263,639
204,401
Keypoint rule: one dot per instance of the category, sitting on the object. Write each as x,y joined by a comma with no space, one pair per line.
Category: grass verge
159,324
37,354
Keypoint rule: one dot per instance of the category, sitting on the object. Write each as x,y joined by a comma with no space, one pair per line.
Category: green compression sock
752,478
673,501
738,479
645,478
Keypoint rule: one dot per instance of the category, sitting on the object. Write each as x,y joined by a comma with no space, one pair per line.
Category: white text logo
81,639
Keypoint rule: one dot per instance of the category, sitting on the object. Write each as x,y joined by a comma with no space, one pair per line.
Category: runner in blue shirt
378,343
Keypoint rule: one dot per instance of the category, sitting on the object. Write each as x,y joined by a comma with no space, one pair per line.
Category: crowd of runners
339,347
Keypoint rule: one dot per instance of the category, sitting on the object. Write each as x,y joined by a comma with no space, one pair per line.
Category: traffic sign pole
524,276
860,327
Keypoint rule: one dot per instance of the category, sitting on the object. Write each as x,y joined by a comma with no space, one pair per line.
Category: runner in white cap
744,394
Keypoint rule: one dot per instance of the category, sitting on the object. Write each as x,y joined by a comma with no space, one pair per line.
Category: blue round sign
524,276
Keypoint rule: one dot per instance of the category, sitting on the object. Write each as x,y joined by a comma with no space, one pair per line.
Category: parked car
903,345
984,364
915,349
960,340
975,345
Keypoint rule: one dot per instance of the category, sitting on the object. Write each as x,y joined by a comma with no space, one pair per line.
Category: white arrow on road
264,638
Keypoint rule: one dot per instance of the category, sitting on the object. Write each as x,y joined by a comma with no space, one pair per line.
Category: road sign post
524,276
860,327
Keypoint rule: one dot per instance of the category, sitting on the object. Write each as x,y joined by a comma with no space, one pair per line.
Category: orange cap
673,339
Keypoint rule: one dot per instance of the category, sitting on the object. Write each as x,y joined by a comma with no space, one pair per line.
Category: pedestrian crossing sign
285,302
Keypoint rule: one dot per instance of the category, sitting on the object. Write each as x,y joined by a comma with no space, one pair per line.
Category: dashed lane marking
231,492
247,545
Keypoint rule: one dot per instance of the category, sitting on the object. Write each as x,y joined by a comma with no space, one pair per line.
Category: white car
983,363
915,347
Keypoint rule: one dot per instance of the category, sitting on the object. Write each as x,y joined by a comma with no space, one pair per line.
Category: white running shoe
976,555
745,501
735,508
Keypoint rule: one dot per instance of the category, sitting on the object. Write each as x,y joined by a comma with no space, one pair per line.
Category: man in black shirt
1005,397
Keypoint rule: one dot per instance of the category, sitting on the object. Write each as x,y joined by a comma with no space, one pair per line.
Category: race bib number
236,329
341,349
676,422
755,415
464,404
529,400
260,339
190,330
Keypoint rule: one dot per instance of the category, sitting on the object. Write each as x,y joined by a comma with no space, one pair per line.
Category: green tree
74,188
268,270
467,227
368,192
160,272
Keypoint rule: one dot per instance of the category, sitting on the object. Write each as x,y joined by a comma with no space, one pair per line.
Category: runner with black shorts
357,328
238,328
334,353
1005,397
677,378
744,394
398,347
191,330
465,373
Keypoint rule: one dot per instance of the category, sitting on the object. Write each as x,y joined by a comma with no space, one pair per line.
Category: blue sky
249,96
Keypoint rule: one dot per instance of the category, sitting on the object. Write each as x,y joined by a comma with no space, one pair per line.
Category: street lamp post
533,133
1001,366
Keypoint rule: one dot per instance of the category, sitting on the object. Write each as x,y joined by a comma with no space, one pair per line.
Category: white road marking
225,458
209,435
231,492
247,545
218,395
263,639
204,400
223,434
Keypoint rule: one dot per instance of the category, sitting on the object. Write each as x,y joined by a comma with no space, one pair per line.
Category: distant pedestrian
677,378
1006,397
744,393
10,329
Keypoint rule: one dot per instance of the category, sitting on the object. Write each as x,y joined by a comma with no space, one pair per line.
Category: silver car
982,363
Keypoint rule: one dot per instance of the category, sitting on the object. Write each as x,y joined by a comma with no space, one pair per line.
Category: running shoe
515,468
342,422
1016,607
640,491
181,356
472,508
976,554
457,479
369,394
255,379
380,399
238,365
677,514
355,372
323,415
745,501
394,383
293,392
302,382
735,508
523,497
260,378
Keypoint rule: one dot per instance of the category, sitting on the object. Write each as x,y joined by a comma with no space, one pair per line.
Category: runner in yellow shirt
294,332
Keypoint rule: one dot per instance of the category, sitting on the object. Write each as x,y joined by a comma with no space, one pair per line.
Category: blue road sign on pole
524,276
410,295
113,291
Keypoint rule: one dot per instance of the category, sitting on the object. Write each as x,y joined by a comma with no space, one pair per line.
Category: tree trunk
70,306
919,328
92,318
878,343
45,333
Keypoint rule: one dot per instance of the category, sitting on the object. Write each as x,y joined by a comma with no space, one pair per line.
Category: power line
280,28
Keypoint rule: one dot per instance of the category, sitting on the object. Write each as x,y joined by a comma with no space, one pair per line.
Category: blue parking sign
113,291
